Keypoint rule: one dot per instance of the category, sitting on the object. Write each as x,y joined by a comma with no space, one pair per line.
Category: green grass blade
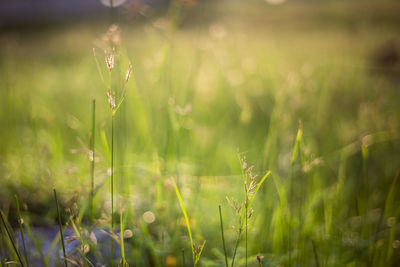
223,236
60,226
11,239
92,158
37,244
112,190
199,253
252,196
296,147
20,222
105,144
121,233
236,246
186,218
78,233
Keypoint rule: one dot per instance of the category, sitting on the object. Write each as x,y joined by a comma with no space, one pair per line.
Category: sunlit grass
242,77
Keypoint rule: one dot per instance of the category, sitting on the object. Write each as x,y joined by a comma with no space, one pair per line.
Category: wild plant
244,210
20,223
60,228
115,97
11,238
196,250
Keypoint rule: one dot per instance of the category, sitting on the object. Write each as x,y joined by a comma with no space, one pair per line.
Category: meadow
191,103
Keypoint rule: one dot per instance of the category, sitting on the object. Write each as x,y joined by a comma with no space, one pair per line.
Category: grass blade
112,190
78,233
121,233
92,159
253,195
236,246
37,244
11,239
20,222
61,232
223,236
186,218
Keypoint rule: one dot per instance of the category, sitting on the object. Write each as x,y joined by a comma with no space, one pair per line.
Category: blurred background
306,89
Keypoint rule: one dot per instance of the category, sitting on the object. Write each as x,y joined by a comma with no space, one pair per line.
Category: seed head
128,73
110,61
111,100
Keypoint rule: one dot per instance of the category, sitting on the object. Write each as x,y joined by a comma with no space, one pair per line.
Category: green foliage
205,82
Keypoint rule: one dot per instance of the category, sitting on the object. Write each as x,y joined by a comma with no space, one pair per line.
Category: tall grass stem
11,239
223,236
92,158
186,219
20,222
61,231
112,190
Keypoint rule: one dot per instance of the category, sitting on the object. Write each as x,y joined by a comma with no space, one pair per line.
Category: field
298,90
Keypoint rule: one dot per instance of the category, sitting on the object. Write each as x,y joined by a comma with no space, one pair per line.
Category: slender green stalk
61,231
243,224
236,246
92,158
20,222
247,210
11,239
112,190
223,236
186,219
37,244
121,233
78,233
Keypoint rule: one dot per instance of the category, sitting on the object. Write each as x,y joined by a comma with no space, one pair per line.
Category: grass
61,230
20,223
222,235
221,77
11,238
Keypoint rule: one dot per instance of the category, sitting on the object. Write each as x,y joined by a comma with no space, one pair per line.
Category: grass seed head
109,60
128,73
111,100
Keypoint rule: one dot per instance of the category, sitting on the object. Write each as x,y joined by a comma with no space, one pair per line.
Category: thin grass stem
37,244
83,245
236,246
186,219
20,222
121,233
61,231
92,158
223,236
112,190
247,210
11,239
